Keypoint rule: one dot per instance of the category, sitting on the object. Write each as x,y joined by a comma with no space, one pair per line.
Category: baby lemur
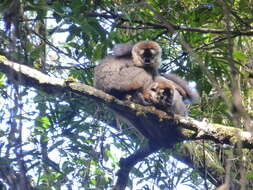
133,72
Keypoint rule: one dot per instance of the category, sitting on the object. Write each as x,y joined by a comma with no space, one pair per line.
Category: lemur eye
147,53
153,51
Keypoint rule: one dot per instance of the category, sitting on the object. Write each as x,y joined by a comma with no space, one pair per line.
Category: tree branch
159,128
14,179
155,125
126,164
176,27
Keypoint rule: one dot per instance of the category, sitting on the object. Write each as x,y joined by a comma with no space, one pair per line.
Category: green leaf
55,145
110,155
44,122
250,176
93,181
239,56
98,52
137,172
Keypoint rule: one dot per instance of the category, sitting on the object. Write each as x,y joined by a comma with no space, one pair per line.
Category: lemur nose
147,53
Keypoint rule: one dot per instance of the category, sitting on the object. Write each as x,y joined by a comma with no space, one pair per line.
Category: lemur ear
123,49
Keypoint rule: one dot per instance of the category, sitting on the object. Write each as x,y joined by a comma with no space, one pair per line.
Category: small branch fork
126,164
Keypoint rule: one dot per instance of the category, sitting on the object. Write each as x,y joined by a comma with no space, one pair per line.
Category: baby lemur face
147,54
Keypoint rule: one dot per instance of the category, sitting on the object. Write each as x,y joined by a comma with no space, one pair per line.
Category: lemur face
147,54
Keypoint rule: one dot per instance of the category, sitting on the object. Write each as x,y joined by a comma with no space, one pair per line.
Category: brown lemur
133,72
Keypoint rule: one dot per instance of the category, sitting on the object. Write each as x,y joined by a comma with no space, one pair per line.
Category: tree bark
155,125
158,127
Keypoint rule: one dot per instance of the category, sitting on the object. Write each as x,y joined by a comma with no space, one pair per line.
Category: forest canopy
58,132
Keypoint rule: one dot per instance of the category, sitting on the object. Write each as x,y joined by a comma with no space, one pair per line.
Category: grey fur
127,73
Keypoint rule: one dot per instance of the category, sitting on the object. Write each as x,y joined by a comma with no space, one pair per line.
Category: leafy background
68,141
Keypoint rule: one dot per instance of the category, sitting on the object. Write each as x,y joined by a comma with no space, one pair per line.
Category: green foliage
74,142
